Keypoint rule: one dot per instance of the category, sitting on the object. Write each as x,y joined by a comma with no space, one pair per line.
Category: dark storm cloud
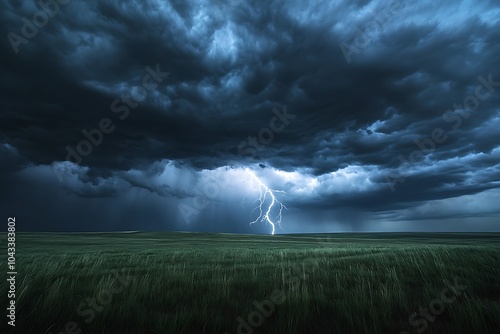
229,65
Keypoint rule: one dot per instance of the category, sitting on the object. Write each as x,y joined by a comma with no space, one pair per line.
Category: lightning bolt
264,192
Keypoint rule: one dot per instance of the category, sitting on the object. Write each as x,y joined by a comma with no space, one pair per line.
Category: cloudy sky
174,115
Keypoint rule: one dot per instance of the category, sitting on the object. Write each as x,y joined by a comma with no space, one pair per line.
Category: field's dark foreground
218,283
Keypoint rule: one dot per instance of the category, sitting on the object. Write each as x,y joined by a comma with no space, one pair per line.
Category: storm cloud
366,115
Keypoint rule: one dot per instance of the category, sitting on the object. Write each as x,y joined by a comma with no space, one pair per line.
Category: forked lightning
264,192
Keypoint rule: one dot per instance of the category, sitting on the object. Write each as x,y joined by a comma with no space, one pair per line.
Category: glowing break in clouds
264,192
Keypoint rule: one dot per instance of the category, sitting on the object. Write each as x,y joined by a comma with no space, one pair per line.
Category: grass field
212,283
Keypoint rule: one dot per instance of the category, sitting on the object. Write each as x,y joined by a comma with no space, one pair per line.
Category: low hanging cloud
395,111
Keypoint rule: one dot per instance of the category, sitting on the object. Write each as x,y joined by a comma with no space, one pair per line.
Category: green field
201,283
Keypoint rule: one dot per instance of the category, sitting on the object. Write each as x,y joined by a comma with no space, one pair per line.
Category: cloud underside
393,111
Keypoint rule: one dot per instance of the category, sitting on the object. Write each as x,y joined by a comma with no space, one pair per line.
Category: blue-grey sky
155,115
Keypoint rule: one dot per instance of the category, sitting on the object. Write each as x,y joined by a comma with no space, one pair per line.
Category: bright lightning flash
264,192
